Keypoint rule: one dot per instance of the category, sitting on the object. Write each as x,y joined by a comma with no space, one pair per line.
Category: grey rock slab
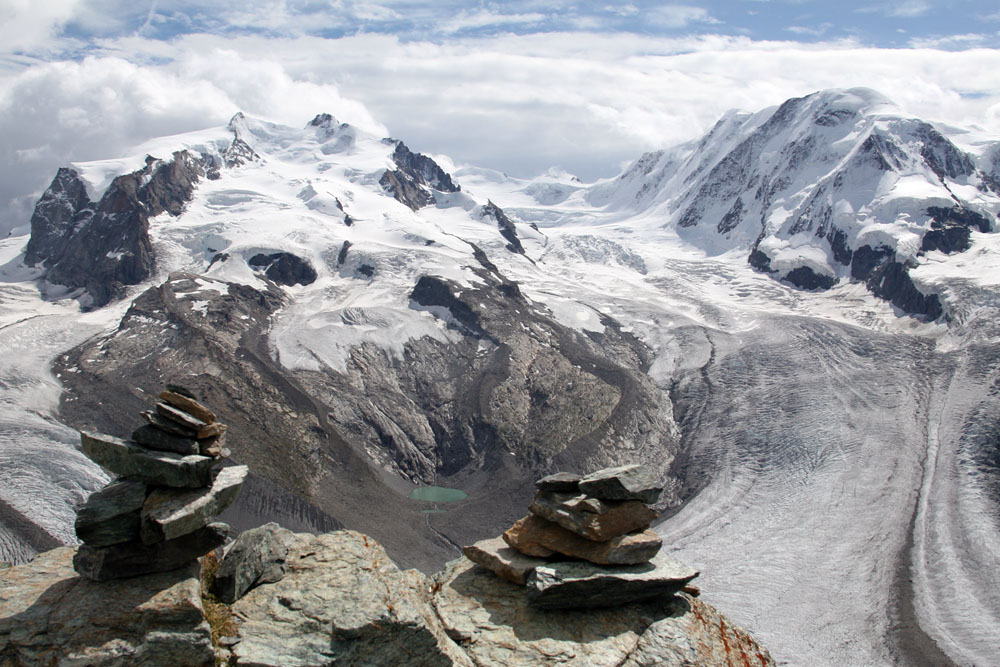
167,425
49,615
170,513
188,405
629,482
496,556
111,515
493,621
256,557
179,416
133,559
562,482
534,535
156,438
579,585
133,461
591,518
342,601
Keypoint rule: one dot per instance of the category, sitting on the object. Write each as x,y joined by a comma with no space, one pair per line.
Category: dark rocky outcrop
415,178
256,557
102,247
506,226
284,268
804,277
951,228
891,281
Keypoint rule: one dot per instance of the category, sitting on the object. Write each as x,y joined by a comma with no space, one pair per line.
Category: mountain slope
835,186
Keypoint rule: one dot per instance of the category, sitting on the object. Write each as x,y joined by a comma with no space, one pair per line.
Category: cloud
517,103
813,31
28,25
906,9
483,18
55,113
677,16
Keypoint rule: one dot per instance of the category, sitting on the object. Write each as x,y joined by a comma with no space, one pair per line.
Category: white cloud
677,16
585,102
908,9
29,25
813,31
483,18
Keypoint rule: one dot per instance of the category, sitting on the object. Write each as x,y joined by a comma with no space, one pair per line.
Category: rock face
339,599
256,557
284,268
104,246
50,615
535,536
417,175
342,599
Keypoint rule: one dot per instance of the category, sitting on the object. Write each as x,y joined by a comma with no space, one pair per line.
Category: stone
501,560
180,417
152,467
493,621
579,585
168,513
212,430
630,482
562,482
111,515
534,535
166,425
132,559
256,557
156,438
49,615
188,404
342,601
213,446
591,518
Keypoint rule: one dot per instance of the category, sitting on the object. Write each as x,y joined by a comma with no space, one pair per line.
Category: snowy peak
804,186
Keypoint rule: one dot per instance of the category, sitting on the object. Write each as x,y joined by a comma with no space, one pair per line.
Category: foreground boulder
49,615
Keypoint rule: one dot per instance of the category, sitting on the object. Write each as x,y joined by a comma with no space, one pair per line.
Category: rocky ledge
339,599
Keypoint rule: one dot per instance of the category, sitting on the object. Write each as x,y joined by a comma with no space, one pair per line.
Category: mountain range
792,320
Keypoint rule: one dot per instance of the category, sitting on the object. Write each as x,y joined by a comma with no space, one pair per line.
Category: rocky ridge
337,598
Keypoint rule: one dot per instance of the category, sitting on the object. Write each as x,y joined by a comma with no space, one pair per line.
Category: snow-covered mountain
793,320
834,186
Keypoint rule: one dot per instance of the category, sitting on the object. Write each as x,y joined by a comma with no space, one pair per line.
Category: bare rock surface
132,559
256,557
163,468
49,615
629,482
578,584
493,622
111,515
592,518
342,600
535,536
168,514
156,438
502,560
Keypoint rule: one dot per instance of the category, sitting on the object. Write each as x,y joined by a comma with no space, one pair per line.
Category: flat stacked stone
587,542
157,516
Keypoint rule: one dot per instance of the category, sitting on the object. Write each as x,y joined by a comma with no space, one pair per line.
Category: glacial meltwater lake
438,494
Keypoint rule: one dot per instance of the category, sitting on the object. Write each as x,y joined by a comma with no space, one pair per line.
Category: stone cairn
587,543
157,516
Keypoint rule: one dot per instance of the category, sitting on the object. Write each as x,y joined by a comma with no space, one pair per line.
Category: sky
521,87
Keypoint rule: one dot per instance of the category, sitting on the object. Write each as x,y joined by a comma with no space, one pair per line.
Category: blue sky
885,24
520,87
